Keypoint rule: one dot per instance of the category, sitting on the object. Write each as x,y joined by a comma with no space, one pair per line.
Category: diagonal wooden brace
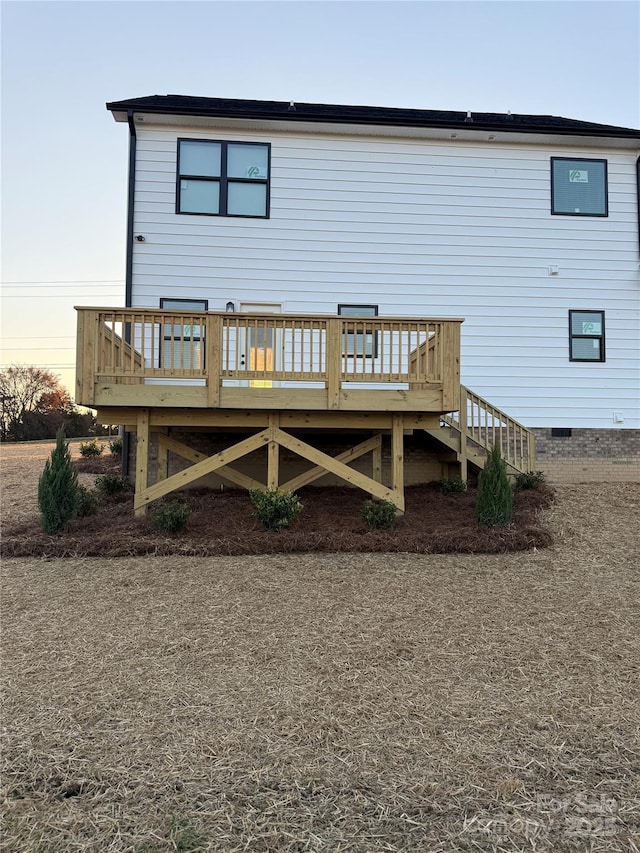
206,466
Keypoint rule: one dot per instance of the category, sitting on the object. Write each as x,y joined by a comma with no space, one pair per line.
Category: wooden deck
277,380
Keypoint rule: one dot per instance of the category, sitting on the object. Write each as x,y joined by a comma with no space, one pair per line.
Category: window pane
199,196
170,304
200,158
182,354
247,161
586,323
579,186
358,310
585,349
246,199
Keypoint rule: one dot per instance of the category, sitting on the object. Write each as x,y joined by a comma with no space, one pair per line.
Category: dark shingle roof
284,111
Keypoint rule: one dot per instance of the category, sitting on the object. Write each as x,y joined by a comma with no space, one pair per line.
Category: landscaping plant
453,486
58,488
530,480
495,495
274,508
86,502
111,484
91,448
115,446
379,514
172,516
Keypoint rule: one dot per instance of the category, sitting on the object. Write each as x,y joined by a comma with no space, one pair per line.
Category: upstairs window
578,187
586,336
223,178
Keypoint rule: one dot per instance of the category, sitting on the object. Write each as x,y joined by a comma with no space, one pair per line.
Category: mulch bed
224,523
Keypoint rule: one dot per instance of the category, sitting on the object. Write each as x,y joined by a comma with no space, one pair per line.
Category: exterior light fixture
230,307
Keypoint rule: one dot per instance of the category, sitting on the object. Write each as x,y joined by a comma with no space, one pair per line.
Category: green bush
274,508
111,484
379,514
453,486
86,502
91,448
57,488
172,516
530,480
495,495
115,446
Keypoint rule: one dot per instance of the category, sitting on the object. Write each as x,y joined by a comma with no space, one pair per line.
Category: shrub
91,448
86,502
115,446
495,495
530,480
379,514
453,486
274,508
57,488
172,516
112,484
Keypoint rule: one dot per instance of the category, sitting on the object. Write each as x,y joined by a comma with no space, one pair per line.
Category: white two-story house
425,277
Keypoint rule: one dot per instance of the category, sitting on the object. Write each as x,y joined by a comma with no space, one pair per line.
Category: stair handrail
486,425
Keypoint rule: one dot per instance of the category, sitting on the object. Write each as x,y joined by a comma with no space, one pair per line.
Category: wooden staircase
470,433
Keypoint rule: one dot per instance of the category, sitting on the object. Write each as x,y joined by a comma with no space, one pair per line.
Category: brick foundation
589,455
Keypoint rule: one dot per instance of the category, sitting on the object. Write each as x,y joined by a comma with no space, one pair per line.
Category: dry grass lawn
368,702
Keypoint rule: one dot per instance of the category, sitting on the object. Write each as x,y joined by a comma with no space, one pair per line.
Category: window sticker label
255,172
591,327
578,176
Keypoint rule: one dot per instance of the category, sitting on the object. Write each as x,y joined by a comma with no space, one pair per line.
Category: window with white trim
586,336
578,187
223,178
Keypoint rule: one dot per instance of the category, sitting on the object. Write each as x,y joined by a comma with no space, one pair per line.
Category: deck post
142,461
273,452
376,460
531,451
463,433
451,366
334,362
163,454
213,360
397,459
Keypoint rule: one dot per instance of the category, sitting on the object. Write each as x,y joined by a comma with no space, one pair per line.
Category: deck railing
125,346
485,425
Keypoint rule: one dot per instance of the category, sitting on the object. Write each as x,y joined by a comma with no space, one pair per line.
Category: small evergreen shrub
171,517
274,508
115,446
379,514
530,480
86,502
495,495
91,448
57,488
111,484
453,486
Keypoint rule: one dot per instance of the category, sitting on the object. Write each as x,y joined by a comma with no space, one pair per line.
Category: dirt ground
327,702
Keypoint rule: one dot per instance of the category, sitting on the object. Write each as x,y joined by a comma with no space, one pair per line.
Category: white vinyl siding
421,228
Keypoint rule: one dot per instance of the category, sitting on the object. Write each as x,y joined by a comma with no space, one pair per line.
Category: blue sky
64,159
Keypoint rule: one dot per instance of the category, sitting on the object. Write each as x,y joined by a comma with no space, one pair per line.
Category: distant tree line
34,405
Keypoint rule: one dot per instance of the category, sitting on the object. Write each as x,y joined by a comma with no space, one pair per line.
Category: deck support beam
142,461
273,452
